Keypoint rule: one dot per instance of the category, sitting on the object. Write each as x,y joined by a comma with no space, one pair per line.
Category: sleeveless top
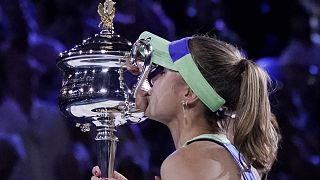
222,140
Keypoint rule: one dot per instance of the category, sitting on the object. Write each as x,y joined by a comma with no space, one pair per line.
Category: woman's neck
185,128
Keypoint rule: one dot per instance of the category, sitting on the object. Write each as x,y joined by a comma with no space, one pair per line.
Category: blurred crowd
36,142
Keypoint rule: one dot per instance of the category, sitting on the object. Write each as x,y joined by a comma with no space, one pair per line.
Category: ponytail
244,86
256,130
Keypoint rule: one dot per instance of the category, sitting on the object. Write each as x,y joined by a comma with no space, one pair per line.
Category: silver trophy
97,88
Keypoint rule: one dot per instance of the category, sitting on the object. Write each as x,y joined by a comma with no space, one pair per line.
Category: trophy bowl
96,81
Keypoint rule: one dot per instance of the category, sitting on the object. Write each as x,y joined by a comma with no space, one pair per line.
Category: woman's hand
141,95
133,69
97,173
142,100
116,176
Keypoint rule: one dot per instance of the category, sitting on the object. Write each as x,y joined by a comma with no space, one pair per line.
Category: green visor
176,56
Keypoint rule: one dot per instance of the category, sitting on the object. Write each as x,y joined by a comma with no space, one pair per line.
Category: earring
184,108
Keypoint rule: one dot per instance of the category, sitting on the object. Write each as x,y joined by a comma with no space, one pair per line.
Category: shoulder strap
236,155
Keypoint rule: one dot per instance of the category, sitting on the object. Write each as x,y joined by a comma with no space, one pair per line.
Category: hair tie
242,65
224,112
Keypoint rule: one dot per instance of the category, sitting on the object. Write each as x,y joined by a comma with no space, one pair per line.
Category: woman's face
164,100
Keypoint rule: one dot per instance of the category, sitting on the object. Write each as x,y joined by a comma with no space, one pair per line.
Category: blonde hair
244,86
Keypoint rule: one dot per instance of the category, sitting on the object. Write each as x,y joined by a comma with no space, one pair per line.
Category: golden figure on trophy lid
107,13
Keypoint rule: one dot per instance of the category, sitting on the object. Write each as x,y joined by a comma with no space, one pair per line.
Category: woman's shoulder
200,160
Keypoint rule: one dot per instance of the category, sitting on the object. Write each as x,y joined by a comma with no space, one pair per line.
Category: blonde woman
215,103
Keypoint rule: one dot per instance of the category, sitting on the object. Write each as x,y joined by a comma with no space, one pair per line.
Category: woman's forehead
176,76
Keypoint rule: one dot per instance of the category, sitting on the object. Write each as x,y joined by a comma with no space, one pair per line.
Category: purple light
219,24
315,160
313,69
265,8
191,11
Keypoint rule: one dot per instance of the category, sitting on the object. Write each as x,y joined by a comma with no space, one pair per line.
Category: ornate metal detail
107,13
126,110
84,127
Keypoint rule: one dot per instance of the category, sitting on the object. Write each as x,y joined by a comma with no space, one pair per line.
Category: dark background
36,142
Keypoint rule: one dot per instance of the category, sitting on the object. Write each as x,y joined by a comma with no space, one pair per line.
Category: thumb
157,178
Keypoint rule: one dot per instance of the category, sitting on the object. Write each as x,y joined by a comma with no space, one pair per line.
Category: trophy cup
97,89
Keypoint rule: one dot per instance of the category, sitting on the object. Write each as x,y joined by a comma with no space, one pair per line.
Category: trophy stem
106,143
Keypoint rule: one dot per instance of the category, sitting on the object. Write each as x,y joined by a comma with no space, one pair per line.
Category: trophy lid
100,49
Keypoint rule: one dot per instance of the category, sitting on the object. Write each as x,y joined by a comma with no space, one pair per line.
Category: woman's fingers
133,69
157,178
96,171
141,100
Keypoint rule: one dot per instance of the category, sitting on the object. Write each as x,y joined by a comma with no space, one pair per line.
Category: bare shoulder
200,160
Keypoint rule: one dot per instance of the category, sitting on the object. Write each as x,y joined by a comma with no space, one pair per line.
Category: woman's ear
190,97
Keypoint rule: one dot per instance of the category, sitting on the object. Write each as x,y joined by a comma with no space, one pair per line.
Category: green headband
176,56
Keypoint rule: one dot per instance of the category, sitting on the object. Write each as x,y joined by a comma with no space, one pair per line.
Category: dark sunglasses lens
154,72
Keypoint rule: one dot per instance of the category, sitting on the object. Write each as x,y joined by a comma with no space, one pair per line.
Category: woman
215,103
